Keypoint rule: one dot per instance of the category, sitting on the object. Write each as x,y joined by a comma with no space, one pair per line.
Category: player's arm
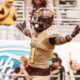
60,40
23,29
57,40
57,71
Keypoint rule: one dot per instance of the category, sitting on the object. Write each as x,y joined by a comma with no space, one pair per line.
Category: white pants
9,33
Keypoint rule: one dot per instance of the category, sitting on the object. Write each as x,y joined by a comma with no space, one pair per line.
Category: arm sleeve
52,39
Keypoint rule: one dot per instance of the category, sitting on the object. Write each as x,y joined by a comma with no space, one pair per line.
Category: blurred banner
10,53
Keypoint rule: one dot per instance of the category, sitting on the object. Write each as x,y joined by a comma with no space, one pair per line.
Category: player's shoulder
52,30
33,32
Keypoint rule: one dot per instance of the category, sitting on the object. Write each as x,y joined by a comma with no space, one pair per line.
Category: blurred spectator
62,2
38,4
55,3
75,69
55,55
8,15
41,3
78,3
57,68
74,66
21,70
50,4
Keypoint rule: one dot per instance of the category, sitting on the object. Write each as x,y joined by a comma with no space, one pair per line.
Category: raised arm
57,40
22,28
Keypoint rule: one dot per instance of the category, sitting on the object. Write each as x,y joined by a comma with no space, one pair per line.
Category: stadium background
67,16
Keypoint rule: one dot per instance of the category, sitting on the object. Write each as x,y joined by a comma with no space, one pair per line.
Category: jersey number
32,55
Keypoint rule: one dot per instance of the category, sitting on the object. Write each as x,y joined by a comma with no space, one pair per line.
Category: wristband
68,38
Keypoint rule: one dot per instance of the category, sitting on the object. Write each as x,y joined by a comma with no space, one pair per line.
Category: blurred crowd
9,14
57,70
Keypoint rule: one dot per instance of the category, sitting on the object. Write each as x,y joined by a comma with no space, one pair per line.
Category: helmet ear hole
36,25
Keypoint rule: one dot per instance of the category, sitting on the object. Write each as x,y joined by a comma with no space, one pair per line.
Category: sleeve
54,33
52,39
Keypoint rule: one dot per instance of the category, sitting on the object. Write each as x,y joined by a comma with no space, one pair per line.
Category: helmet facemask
37,24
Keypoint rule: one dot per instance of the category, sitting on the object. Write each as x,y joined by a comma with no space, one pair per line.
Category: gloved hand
75,31
21,26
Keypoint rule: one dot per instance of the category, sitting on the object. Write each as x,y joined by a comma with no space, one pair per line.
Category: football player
44,37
